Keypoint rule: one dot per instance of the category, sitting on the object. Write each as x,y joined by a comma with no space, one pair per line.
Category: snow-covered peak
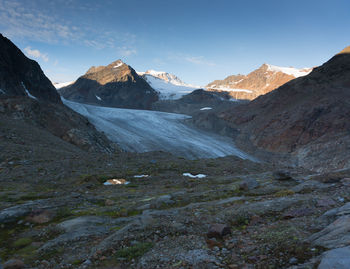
59,85
165,76
167,85
289,70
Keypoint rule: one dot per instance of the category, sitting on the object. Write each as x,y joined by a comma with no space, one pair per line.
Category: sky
197,40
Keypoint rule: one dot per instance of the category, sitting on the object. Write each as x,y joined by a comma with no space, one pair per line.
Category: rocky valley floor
56,212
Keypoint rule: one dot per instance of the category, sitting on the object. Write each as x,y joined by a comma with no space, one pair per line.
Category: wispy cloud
126,51
27,20
197,60
200,60
36,54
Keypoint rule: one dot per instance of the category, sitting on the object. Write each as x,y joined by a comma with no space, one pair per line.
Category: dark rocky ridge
43,109
18,74
114,85
307,117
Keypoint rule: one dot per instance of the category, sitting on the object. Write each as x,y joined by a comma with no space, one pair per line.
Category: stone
338,258
109,202
346,181
335,235
293,260
343,210
14,264
326,202
40,216
282,175
248,184
298,212
218,230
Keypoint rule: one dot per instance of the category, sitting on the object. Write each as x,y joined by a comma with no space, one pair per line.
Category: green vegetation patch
134,252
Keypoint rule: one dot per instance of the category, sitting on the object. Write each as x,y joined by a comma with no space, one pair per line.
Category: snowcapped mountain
113,85
167,85
259,82
59,85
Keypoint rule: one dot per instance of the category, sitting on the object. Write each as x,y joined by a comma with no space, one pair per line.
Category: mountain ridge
258,82
116,85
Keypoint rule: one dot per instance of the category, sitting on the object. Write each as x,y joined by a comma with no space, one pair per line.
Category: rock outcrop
261,81
114,85
20,76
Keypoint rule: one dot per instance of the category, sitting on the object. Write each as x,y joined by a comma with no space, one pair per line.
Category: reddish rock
14,264
299,212
261,81
40,216
218,230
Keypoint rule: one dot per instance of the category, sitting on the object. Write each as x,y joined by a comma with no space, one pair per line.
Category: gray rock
78,228
197,256
248,184
164,200
282,175
11,214
335,235
218,230
338,258
344,210
309,186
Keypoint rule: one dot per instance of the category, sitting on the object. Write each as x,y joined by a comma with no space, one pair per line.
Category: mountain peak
345,51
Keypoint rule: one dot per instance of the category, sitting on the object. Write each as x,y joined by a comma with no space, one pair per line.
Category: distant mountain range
261,81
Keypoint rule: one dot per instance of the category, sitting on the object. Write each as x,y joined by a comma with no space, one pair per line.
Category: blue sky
199,41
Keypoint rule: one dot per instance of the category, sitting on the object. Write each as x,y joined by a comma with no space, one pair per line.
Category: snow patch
290,70
28,93
194,176
140,176
116,182
223,88
206,108
118,65
98,98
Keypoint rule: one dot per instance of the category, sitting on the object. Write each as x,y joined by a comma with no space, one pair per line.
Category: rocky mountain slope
307,117
20,76
261,81
28,97
114,85
168,86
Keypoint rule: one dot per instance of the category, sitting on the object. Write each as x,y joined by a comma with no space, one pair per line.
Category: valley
125,169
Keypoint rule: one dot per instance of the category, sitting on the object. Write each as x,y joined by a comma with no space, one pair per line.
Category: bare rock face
307,117
114,85
27,95
261,81
59,120
20,76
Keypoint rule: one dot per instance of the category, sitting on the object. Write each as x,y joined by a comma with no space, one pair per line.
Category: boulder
218,230
338,258
14,264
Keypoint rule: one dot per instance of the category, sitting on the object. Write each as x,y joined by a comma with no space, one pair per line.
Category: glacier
143,130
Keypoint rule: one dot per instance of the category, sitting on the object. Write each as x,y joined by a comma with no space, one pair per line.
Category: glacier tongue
143,130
